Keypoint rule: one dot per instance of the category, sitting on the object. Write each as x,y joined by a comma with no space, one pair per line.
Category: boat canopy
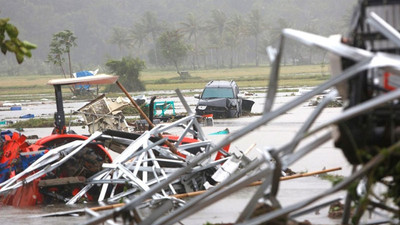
96,79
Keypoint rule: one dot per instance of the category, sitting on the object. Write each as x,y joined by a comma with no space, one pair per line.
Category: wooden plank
62,181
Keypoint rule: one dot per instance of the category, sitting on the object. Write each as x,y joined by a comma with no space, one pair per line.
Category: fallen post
302,175
169,144
192,194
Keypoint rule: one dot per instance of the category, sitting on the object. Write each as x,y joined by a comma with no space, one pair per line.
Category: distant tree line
220,41
185,35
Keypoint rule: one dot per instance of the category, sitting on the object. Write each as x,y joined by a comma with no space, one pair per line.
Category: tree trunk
155,48
231,63
177,69
217,56
196,54
256,36
69,63
71,87
62,68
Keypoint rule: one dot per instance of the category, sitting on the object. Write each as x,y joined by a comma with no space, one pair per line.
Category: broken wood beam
169,144
62,181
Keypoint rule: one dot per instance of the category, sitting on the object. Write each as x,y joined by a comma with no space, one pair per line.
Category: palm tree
236,30
255,26
153,28
172,48
68,38
138,36
119,37
275,34
192,28
216,28
60,44
310,28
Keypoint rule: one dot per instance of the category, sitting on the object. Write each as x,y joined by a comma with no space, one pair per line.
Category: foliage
152,27
172,48
216,27
33,123
13,44
161,81
138,35
334,179
255,26
61,43
19,87
120,37
236,31
192,29
389,167
39,122
128,69
132,111
93,23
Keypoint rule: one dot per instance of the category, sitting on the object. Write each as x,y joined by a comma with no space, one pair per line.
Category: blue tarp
84,73
27,116
4,172
27,160
14,108
6,132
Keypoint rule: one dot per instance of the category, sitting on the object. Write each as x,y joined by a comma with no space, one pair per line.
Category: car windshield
211,92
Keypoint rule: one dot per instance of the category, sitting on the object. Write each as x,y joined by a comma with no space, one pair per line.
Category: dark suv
220,98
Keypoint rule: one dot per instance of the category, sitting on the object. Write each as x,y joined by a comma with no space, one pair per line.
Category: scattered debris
164,106
27,116
337,102
105,113
15,108
336,210
72,168
159,163
207,120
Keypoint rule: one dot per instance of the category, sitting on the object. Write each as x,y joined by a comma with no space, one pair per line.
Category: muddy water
274,134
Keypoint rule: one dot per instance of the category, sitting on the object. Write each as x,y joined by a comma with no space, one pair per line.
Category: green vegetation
128,69
172,47
334,179
40,122
33,123
218,34
30,87
61,44
13,44
290,76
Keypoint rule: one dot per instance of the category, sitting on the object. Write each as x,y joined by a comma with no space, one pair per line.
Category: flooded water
275,134
45,108
10,215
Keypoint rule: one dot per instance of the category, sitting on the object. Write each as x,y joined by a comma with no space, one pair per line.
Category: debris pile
75,171
155,166
104,113
361,67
